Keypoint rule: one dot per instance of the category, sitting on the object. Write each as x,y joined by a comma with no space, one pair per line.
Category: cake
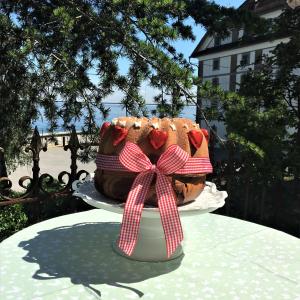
153,136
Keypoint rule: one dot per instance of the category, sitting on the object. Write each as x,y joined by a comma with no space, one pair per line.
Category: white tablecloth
71,257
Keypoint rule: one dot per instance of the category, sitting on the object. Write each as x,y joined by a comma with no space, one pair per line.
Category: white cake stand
151,244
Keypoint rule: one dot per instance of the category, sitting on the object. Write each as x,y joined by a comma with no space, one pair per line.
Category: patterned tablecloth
71,257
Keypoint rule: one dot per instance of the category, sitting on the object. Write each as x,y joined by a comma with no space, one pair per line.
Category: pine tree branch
187,94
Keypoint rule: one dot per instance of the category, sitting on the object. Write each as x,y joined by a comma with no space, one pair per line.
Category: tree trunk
3,171
297,175
199,107
199,99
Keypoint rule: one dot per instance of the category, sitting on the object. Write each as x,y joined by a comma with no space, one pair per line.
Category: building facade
224,61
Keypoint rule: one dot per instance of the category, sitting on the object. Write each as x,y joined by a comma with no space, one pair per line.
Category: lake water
116,110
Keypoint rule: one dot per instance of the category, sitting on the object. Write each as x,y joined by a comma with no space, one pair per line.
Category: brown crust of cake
117,185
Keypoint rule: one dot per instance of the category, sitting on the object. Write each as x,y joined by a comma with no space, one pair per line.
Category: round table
71,257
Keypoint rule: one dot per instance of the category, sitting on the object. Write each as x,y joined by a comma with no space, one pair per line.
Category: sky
185,47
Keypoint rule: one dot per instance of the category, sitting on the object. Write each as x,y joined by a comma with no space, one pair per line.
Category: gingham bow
133,159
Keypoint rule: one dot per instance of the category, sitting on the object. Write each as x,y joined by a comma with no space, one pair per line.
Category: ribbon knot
133,159
154,168
173,161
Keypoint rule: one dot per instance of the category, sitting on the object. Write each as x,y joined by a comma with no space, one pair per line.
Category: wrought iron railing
36,185
276,205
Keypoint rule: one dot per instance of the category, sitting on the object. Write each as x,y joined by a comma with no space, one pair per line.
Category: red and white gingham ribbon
173,160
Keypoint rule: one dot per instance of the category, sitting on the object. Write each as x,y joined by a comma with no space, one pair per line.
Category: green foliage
220,20
263,119
18,90
277,94
246,146
70,51
12,219
15,217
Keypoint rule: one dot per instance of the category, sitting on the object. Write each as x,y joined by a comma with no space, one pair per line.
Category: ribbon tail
169,214
133,212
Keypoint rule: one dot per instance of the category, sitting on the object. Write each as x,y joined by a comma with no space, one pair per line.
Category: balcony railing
275,205
36,185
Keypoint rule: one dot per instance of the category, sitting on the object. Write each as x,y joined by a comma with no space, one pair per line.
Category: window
235,35
216,64
258,59
243,78
217,41
215,81
245,61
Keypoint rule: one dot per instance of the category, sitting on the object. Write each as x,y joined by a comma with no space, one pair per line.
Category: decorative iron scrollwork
61,176
38,186
82,172
5,186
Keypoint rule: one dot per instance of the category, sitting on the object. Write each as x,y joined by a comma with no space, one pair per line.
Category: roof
263,6
256,6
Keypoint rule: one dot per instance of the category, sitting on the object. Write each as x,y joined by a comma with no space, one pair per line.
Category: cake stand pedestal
151,244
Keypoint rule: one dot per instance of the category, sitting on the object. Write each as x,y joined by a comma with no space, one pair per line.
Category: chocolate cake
153,136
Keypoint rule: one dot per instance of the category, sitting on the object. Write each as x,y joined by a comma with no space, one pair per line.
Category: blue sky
185,47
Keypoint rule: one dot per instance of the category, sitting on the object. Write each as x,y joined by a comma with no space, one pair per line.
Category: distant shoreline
189,111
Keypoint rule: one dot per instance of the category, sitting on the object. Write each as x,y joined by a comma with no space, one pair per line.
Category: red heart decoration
119,134
103,129
157,138
206,134
195,138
